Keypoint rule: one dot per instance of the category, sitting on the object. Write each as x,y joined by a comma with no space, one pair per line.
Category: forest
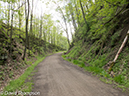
96,36
24,36
100,43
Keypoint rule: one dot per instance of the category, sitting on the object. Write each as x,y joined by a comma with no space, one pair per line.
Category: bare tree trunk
110,64
26,42
84,16
77,12
44,33
11,33
66,28
64,22
54,38
31,19
71,30
41,23
8,17
19,18
122,46
73,20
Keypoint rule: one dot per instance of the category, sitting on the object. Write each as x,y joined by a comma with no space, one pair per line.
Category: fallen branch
110,64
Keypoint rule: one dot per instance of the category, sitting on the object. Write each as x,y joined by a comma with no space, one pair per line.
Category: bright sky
50,8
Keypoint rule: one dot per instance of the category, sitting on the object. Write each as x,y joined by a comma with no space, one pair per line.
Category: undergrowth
19,84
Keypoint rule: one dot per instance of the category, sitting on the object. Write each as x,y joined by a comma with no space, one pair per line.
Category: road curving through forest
57,77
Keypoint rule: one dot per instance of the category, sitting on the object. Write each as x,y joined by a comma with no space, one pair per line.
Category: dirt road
57,77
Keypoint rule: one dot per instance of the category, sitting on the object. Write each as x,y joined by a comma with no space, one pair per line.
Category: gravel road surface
57,77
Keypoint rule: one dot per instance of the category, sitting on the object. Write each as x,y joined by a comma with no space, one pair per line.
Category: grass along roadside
19,84
117,81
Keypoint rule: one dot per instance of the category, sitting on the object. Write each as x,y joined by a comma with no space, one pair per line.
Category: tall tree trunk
34,26
8,16
51,37
26,42
54,38
41,23
45,48
11,33
31,19
19,17
77,12
71,30
73,20
64,22
84,16
65,26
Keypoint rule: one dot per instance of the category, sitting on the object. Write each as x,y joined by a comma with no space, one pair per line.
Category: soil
57,77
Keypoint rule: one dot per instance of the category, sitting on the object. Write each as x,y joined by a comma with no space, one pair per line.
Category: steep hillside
12,65
98,40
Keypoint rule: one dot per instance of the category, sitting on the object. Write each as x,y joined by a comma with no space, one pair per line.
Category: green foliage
76,62
1,75
97,46
119,79
82,65
11,74
100,62
64,56
115,38
95,70
30,53
20,82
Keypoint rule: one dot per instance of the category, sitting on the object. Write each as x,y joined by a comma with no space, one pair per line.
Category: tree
64,18
31,18
12,19
10,51
27,17
72,15
41,24
84,17
8,16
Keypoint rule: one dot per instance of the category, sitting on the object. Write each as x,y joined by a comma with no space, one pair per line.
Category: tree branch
115,15
19,7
